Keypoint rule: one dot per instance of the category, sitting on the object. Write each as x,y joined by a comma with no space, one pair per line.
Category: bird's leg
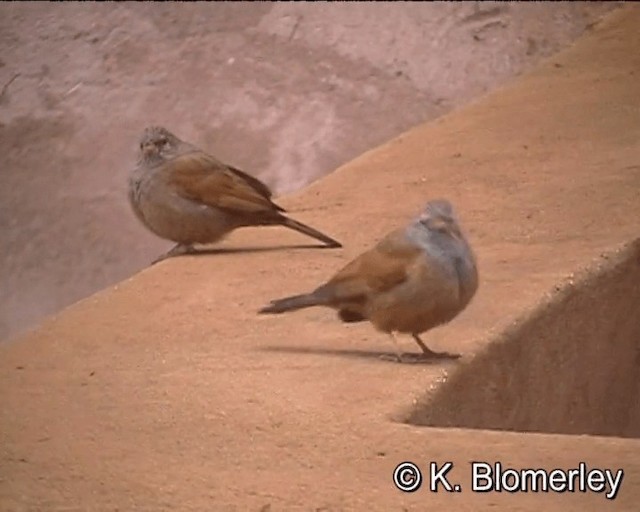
177,250
398,356
430,354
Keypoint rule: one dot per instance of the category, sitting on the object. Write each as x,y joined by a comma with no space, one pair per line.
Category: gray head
437,232
439,216
158,144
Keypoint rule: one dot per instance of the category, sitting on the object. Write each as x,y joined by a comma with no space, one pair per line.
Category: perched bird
414,279
183,194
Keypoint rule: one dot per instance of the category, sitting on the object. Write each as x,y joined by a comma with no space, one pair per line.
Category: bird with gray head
416,278
185,195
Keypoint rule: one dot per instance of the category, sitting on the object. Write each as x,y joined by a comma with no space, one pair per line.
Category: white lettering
493,478
538,478
514,476
557,481
440,476
595,480
481,471
614,485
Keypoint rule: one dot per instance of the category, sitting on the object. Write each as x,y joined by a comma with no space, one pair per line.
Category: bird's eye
162,141
436,224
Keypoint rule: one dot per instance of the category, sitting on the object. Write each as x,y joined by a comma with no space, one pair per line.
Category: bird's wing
375,271
202,178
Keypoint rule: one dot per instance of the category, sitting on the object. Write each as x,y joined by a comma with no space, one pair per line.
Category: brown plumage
183,194
416,278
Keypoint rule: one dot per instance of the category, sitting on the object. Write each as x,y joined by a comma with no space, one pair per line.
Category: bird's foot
427,353
177,250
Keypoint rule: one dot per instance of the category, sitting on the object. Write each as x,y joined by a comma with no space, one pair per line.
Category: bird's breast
174,217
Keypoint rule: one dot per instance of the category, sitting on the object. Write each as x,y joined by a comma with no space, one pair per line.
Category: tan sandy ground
167,392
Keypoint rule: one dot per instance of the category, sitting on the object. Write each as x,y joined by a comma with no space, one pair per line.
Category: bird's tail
306,300
308,230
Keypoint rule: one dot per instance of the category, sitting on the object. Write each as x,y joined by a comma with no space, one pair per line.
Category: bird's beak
148,149
443,225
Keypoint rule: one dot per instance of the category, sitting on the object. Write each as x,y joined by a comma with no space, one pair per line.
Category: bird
183,194
414,279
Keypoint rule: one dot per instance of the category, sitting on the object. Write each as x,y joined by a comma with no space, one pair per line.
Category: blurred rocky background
285,91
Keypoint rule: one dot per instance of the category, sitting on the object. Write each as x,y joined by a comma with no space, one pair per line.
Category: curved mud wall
571,367
285,91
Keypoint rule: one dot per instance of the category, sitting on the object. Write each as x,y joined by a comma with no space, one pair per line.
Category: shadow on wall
570,367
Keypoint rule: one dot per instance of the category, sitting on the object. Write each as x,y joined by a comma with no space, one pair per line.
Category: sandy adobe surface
167,392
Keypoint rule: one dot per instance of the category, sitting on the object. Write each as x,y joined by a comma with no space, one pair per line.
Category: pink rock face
286,92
